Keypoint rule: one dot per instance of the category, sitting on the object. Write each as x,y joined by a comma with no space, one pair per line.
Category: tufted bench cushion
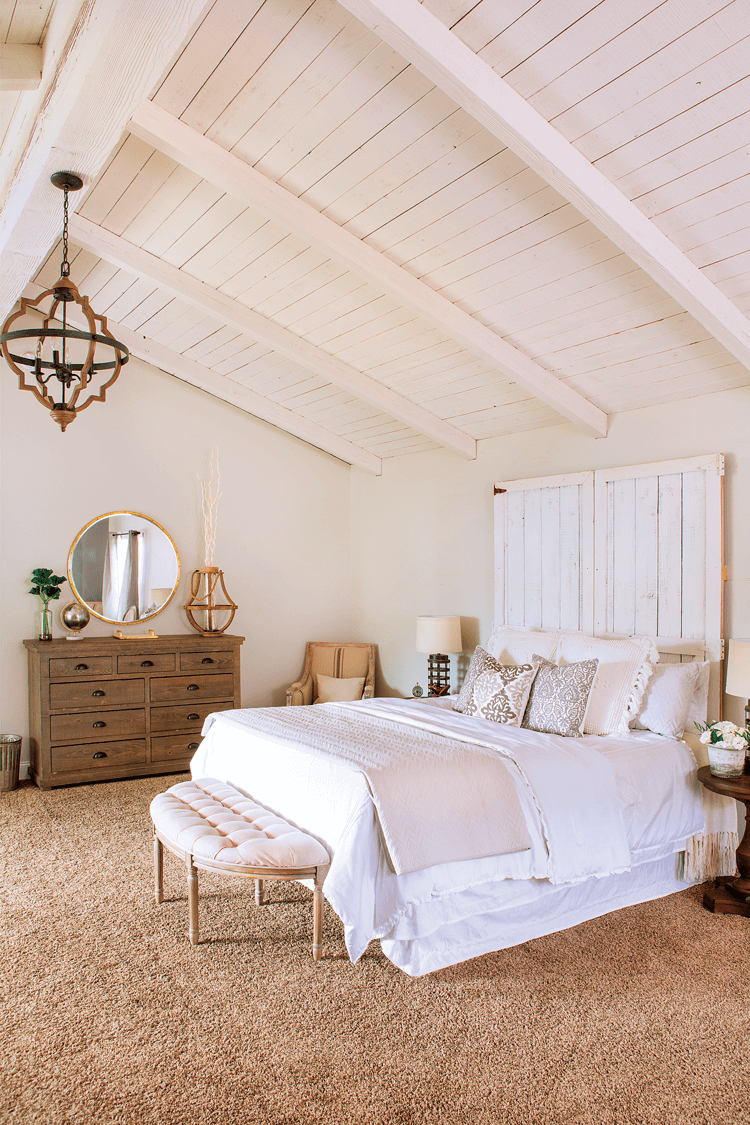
215,827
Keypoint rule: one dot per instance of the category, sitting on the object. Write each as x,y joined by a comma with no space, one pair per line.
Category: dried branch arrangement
210,497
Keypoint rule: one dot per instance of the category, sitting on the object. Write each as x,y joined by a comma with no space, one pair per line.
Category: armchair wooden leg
158,869
260,897
317,917
192,900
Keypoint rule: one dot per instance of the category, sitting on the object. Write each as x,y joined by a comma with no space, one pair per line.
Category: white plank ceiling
411,282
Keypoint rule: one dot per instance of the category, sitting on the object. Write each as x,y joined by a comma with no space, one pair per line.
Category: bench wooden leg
260,897
158,869
317,917
192,900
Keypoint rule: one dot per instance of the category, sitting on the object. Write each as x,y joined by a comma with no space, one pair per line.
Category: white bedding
604,815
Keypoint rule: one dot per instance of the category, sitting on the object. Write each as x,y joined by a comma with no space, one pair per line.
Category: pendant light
70,355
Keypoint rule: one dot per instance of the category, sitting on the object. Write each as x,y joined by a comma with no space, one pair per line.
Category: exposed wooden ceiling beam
421,39
135,260
102,58
166,359
20,66
226,171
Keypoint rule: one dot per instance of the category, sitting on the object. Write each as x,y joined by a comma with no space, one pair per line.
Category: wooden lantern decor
210,610
205,609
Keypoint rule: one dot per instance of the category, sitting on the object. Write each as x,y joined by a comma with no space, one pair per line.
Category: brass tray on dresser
107,708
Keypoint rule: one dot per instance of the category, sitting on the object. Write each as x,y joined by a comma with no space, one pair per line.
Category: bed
417,802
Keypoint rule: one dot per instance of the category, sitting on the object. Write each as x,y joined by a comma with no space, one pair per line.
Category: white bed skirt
533,909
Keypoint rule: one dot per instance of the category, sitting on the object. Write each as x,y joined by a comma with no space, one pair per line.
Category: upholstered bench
214,827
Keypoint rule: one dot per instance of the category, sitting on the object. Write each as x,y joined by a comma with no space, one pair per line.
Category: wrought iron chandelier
65,353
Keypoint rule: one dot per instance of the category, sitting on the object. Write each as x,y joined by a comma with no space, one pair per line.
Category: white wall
283,527
422,534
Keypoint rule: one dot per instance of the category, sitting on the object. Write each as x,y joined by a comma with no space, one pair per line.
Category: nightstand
731,894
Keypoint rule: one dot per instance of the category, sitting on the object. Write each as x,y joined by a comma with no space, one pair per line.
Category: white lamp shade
738,669
439,634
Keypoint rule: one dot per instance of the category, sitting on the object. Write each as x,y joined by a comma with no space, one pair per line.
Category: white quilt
593,807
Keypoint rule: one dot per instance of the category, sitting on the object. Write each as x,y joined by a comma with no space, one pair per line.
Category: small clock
417,691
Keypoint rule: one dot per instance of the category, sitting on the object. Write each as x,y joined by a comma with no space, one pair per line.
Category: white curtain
121,587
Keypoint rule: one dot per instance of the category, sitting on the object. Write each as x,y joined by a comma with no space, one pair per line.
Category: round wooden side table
731,894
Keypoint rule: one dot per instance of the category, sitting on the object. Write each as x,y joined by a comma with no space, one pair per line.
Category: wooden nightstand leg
192,900
158,869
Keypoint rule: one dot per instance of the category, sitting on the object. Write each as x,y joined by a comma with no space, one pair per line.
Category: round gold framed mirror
124,566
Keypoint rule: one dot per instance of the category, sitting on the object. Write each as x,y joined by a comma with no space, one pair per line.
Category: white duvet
595,808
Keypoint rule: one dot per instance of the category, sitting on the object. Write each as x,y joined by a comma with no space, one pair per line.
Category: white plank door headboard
631,550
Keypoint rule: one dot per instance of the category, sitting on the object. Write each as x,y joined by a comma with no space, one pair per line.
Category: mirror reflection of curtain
121,588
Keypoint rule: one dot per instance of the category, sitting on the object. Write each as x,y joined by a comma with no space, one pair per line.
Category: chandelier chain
65,267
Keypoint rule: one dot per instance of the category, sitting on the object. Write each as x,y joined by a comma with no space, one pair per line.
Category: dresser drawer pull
193,745
100,754
95,693
193,716
206,660
147,664
99,724
81,668
193,687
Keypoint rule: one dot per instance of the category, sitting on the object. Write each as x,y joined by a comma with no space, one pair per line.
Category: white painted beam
421,39
20,66
166,359
226,171
135,260
103,58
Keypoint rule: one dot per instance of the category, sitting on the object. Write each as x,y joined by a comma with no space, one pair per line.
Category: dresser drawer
99,755
170,689
165,747
97,724
184,717
217,660
96,693
73,666
146,662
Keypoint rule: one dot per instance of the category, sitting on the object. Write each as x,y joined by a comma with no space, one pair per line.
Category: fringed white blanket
437,800
712,852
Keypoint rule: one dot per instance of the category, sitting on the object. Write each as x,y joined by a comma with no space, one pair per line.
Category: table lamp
738,673
438,636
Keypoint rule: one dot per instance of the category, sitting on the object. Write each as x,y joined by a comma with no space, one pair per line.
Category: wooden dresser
106,708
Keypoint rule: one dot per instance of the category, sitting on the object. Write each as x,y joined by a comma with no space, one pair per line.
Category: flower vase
725,761
207,608
45,625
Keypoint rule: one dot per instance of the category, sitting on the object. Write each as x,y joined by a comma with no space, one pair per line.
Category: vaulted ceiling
388,226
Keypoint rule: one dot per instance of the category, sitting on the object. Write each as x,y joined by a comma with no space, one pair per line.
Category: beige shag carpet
110,1016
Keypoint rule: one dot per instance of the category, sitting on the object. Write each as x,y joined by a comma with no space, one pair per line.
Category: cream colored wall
422,534
283,528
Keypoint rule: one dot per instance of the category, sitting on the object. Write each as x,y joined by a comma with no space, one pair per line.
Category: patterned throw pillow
558,699
502,696
481,661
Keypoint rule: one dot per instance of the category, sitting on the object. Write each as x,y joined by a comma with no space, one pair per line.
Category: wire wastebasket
10,761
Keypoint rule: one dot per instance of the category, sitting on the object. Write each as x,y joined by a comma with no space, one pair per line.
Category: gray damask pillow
502,696
559,694
481,661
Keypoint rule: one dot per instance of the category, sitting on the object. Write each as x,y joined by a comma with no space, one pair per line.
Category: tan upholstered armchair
331,658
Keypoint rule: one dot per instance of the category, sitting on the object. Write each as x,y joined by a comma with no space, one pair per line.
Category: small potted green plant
47,587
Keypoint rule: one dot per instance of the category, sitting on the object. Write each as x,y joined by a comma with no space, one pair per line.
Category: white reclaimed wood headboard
617,552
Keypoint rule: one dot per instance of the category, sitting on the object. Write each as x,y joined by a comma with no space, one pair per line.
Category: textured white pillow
667,699
625,666
332,689
509,645
698,710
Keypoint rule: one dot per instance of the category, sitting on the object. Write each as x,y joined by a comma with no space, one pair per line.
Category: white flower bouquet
725,735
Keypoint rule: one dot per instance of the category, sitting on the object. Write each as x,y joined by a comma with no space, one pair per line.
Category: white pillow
509,645
698,710
667,699
625,667
332,689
